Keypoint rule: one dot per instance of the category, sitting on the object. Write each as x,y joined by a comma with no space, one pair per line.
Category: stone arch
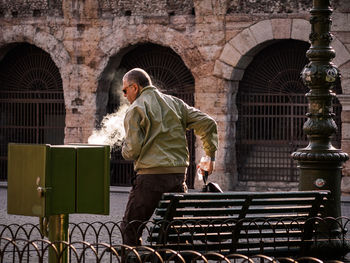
156,34
32,105
239,51
107,74
43,40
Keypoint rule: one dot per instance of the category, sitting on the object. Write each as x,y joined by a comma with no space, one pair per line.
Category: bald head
138,76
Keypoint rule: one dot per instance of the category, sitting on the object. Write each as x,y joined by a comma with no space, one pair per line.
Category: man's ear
138,88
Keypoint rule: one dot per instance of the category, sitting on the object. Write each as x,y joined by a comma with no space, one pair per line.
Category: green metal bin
48,179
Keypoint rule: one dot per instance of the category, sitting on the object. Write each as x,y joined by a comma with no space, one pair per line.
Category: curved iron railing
38,251
101,241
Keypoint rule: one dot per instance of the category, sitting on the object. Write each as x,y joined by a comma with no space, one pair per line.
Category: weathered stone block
345,84
342,53
159,20
230,55
205,82
244,41
281,28
231,34
237,25
346,131
262,31
345,116
340,21
211,52
204,37
73,135
222,70
344,37
345,70
301,29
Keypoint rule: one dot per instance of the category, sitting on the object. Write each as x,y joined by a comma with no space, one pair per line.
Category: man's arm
206,128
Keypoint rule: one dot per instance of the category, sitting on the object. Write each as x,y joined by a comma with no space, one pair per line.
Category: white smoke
112,129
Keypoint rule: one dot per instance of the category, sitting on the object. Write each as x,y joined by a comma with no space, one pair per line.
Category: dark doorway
171,76
271,112
31,100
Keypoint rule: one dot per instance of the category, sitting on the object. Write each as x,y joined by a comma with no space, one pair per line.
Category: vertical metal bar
37,123
16,121
58,234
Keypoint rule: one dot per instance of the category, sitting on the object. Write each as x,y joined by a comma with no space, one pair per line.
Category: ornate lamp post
320,163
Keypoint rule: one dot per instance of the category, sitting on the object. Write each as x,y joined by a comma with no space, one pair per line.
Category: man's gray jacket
155,128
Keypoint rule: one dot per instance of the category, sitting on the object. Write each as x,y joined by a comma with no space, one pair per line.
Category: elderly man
155,139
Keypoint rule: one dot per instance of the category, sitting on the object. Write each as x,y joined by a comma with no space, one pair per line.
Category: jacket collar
148,88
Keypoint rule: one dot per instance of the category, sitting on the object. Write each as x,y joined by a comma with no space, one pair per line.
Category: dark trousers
147,190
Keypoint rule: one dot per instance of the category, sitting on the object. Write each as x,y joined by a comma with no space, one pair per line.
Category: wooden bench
269,223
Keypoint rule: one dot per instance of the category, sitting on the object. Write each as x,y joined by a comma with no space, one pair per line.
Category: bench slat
292,244
244,195
243,237
228,203
217,228
294,210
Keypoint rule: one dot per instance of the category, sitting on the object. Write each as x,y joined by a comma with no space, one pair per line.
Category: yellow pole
58,232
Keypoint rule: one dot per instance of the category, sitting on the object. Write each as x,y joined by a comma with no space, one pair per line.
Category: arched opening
168,73
31,99
271,106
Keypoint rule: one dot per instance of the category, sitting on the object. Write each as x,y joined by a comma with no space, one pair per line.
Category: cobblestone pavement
118,199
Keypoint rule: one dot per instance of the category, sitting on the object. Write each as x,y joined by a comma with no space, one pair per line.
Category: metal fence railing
102,241
38,251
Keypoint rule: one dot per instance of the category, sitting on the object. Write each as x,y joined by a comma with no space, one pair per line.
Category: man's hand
210,166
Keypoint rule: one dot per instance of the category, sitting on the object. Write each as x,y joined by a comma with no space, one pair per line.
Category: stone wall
23,8
28,8
146,8
267,6
217,40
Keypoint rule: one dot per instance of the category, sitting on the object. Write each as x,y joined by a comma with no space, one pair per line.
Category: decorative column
320,163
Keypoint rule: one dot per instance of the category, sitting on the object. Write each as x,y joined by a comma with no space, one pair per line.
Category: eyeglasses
124,89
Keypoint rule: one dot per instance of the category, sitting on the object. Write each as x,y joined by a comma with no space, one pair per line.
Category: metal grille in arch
31,100
271,106
171,76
